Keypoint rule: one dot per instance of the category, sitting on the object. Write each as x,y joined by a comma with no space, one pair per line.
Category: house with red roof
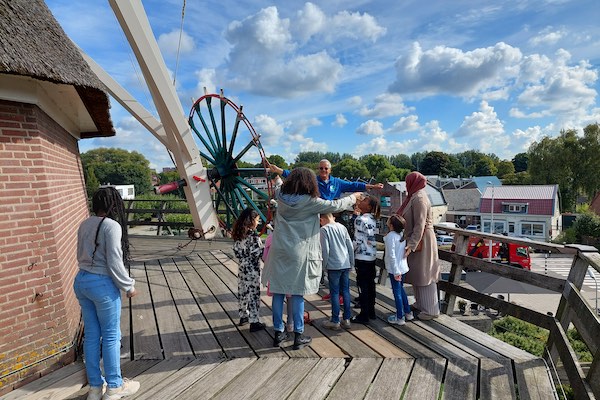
531,211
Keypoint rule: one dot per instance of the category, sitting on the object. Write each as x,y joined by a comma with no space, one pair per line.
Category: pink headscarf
415,181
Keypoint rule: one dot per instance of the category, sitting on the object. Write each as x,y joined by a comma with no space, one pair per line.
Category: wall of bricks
42,202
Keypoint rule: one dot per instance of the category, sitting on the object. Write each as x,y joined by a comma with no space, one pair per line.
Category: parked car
439,227
473,227
445,242
516,255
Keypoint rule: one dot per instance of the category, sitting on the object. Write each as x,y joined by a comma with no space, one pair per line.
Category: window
533,229
514,208
511,227
498,226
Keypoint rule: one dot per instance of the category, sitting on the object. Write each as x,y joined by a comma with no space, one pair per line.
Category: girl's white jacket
395,261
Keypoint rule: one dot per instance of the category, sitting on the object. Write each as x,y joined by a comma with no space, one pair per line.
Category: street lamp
491,218
592,275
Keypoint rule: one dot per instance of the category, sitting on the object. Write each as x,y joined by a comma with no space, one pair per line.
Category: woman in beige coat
421,247
295,259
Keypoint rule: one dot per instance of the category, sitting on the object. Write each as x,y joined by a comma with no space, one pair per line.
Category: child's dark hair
301,181
374,204
242,225
397,222
108,200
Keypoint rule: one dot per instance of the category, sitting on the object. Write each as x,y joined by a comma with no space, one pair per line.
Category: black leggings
365,280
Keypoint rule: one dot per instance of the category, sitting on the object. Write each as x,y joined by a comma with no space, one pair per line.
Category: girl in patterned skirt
248,248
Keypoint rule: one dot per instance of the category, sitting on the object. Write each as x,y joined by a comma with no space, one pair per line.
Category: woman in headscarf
421,247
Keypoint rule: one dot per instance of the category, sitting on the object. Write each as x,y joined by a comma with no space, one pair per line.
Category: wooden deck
181,340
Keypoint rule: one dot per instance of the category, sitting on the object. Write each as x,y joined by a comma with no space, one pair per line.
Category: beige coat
424,265
295,259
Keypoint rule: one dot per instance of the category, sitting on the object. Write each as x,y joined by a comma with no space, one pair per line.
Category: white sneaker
127,389
409,316
392,319
334,326
95,393
346,324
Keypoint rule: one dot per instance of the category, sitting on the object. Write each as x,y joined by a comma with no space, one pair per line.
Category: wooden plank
223,284
126,337
359,341
460,380
484,339
62,388
391,379
158,373
426,379
320,380
533,380
230,339
496,379
204,344
324,349
284,381
355,381
250,380
146,344
215,380
173,385
170,328
45,381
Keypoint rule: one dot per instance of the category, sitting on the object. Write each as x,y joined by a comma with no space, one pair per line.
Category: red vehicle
516,255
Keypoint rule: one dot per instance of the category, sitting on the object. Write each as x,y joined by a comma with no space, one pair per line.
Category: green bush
532,339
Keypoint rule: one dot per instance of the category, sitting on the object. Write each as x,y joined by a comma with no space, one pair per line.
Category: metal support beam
135,25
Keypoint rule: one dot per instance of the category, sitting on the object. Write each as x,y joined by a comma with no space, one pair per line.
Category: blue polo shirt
334,188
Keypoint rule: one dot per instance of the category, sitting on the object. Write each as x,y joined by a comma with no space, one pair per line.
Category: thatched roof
33,44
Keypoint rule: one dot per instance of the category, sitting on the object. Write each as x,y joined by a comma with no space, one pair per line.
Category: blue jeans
339,280
100,302
298,311
400,297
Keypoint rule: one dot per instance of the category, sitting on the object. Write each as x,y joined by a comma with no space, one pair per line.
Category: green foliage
119,167
569,392
392,174
436,163
485,167
519,178
91,182
532,338
504,168
587,224
278,160
401,161
349,169
568,235
520,162
375,163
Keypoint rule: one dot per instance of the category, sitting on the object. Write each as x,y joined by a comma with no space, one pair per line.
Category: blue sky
363,77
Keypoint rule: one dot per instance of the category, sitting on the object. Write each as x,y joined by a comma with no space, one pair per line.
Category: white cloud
340,121
482,123
547,36
380,145
169,43
271,132
309,21
354,101
406,124
354,26
453,71
206,79
386,105
370,127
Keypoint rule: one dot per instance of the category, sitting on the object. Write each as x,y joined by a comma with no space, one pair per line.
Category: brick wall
42,202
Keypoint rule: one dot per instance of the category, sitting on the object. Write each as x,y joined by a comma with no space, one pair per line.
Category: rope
179,44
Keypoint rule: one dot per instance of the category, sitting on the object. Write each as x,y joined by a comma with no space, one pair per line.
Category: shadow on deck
181,340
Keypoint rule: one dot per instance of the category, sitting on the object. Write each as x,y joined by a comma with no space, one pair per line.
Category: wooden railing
158,214
572,309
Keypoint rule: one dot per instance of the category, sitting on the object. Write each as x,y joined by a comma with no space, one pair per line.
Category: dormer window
515,208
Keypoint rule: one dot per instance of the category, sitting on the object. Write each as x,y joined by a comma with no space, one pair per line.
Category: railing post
563,314
460,247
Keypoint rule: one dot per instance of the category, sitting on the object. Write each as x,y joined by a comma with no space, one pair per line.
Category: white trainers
392,319
127,389
346,324
334,326
95,393
409,316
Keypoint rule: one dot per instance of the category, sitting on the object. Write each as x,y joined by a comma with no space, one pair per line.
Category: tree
521,162
401,161
309,157
436,163
375,163
504,168
119,167
590,160
392,174
350,169
417,160
278,160
519,178
485,167
91,182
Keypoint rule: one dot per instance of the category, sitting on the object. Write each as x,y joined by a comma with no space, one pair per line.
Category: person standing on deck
102,245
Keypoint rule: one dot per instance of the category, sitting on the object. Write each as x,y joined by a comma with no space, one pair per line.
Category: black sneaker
243,321
360,319
300,341
279,338
257,326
